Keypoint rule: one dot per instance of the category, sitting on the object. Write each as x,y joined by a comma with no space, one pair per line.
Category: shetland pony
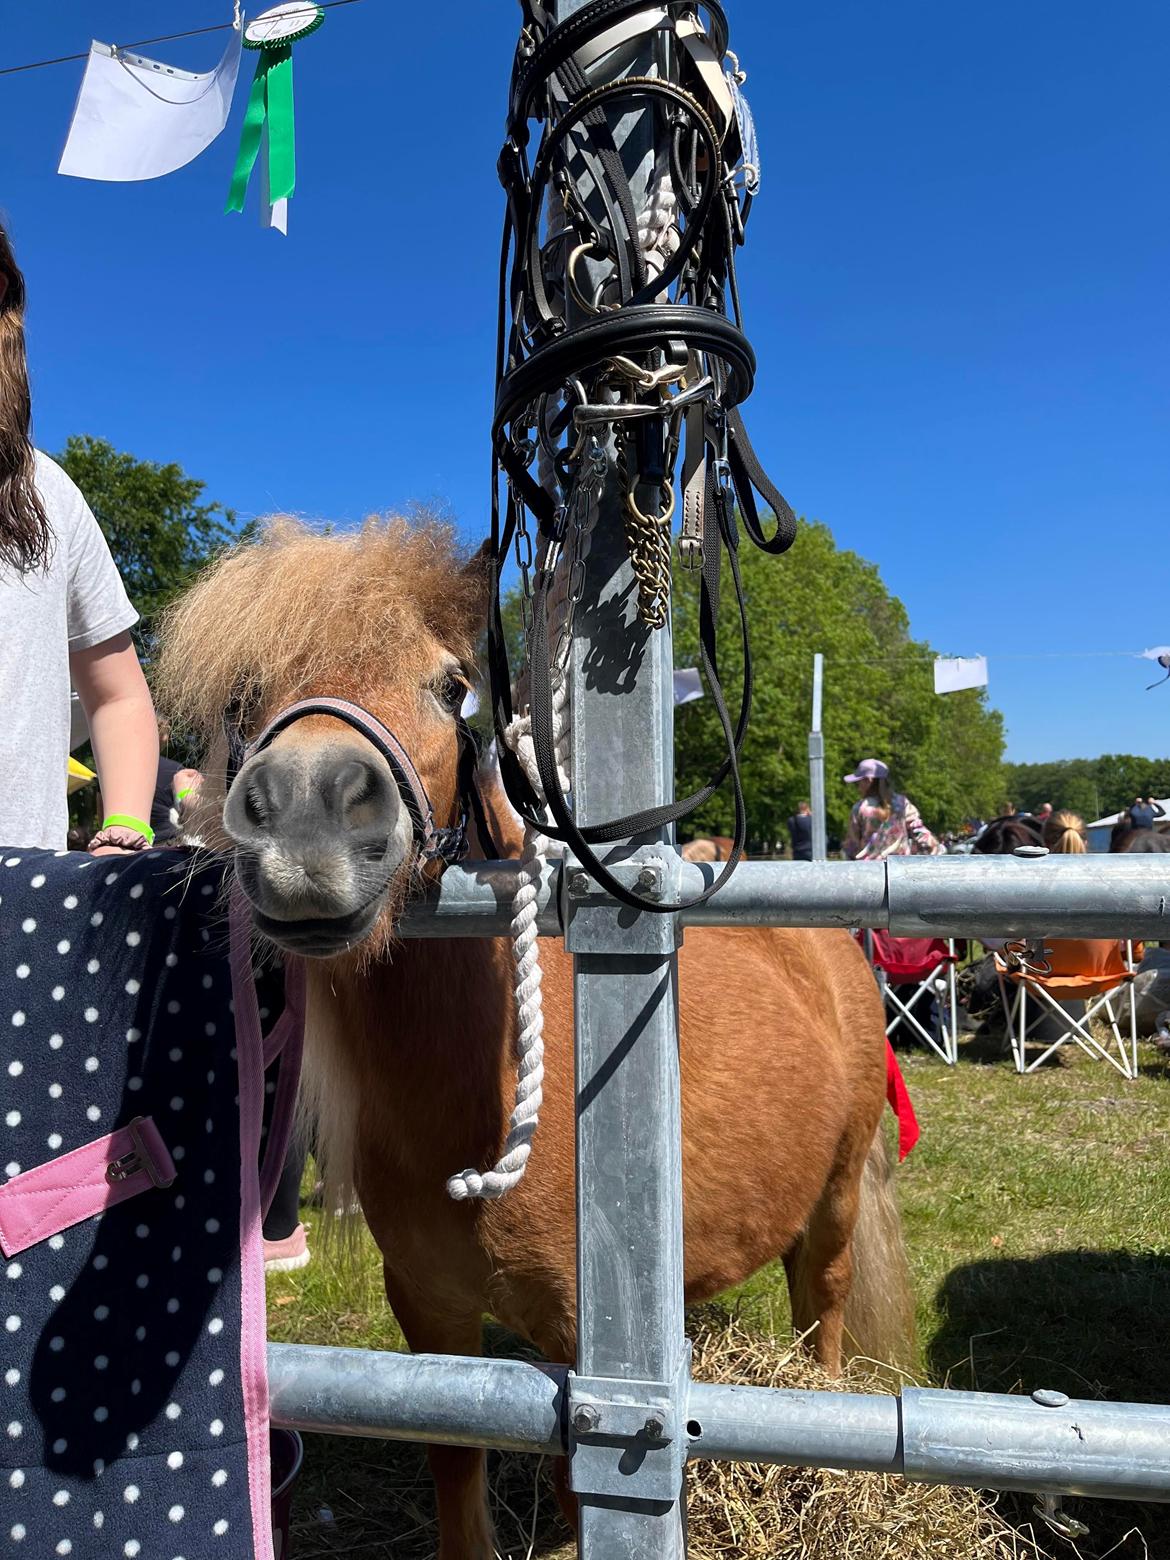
411,1064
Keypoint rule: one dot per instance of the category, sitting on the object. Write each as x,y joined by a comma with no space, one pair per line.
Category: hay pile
380,1506
751,1511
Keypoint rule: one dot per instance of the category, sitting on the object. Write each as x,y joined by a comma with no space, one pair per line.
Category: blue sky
956,282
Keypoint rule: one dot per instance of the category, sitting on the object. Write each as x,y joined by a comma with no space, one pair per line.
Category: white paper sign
687,685
136,118
954,673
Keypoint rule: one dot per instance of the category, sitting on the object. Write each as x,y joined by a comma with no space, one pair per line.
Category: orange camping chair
1098,972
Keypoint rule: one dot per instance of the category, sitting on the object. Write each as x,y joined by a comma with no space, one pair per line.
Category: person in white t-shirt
64,617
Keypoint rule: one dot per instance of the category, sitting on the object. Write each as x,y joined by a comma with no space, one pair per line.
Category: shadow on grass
373,1500
378,1501
1086,1322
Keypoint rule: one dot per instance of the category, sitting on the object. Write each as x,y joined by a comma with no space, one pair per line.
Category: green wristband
124,821
181,796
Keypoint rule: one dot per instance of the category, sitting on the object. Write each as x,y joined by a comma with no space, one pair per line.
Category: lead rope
525,1118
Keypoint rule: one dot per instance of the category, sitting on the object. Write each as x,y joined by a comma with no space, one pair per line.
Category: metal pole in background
627,1406
816,764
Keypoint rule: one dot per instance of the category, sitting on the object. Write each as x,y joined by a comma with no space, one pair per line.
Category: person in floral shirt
884,823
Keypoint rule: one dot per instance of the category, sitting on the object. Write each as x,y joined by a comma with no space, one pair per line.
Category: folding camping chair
927,964
1091,971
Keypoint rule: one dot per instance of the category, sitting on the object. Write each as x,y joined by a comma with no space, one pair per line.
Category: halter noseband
434,844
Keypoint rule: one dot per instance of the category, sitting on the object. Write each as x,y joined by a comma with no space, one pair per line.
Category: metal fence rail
1046,1443
963,896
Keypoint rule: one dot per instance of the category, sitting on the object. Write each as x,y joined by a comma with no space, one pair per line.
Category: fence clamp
595,923
628,1439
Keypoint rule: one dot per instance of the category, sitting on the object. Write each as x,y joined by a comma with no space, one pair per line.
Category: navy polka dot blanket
137,1079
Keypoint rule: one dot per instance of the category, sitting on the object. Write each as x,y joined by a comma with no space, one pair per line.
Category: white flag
953,673
136,118
687,685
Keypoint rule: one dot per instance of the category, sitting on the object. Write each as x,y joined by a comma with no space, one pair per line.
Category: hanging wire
196,32
928,657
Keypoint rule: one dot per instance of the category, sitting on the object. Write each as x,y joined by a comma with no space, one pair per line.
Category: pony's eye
451,693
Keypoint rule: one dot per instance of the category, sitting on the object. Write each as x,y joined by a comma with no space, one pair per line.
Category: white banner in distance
954,673
687,685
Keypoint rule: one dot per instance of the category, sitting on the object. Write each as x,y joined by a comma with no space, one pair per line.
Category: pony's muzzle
319,832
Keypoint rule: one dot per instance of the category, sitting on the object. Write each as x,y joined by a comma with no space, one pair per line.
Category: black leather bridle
431,842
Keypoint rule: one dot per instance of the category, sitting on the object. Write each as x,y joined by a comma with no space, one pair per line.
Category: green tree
1091,787
879,694
159,531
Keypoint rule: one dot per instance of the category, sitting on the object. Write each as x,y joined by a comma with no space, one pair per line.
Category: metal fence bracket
628,1439
595,923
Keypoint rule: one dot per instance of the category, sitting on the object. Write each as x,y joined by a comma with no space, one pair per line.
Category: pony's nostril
356,793
257,800
255,809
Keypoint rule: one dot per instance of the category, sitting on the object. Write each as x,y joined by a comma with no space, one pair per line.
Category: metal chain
648,539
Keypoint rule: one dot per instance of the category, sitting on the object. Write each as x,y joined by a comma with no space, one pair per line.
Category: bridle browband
432,843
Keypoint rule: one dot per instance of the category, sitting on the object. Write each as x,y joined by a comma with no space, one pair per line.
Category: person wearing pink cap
884,822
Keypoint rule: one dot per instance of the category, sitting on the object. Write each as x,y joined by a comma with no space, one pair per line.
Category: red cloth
899,1098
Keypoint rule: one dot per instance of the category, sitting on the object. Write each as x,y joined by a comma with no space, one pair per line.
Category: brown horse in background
411,1043
711,847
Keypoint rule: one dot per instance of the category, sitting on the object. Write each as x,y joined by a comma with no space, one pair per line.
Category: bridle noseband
433,843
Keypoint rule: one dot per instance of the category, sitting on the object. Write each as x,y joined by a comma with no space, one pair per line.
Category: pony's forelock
299,606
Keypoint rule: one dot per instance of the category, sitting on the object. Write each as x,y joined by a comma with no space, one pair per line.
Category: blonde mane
293,606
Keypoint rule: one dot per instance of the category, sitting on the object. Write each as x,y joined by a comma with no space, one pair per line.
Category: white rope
526,954
658,235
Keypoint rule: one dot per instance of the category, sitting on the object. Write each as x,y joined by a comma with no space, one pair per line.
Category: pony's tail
879,1313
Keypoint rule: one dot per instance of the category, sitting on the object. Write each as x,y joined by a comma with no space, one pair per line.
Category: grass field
1036,1219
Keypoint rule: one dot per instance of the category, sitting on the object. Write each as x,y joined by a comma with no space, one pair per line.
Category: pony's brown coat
781,1032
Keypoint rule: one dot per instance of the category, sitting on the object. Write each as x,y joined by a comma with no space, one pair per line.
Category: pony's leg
459,1473
820,1268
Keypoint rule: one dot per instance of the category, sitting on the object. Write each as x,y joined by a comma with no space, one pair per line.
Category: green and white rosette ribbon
270,102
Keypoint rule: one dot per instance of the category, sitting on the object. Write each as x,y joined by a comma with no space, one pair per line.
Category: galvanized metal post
627,1403
816,764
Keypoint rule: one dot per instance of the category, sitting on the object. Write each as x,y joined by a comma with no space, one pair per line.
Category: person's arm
123,731
924,841
186,787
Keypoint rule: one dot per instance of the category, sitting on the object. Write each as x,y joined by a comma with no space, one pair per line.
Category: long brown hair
880,792
26,540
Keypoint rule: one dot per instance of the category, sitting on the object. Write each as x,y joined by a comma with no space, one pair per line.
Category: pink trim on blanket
253,1329
78,1185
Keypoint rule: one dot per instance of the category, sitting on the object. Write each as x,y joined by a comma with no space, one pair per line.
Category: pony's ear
477,572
